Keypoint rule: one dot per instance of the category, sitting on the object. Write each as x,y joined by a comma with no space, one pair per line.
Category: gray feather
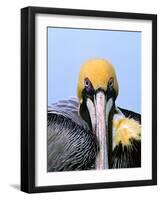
68,108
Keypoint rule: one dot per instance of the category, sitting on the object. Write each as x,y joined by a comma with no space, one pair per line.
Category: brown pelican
90,131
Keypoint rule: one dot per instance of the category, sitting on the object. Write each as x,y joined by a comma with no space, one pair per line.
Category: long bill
99,114
104,135
100,105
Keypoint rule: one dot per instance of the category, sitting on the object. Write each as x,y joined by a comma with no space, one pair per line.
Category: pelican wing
71,145
69,109
131,114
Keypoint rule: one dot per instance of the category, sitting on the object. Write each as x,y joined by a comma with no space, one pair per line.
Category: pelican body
90,131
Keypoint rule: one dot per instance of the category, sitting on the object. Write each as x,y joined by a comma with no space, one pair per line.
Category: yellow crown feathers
99,72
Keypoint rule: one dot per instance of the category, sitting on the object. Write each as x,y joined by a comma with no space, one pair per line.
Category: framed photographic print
88,99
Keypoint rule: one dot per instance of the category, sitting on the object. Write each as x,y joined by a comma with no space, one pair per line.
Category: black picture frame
28,98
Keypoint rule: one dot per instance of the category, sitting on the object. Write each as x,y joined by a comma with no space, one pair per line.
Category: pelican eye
111,83
88,85
86,82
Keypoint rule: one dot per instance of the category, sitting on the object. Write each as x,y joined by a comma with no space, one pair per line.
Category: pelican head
97,90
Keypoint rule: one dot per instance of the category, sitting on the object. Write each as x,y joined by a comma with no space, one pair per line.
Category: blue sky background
69,48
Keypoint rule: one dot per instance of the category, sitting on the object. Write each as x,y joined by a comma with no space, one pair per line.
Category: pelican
90,131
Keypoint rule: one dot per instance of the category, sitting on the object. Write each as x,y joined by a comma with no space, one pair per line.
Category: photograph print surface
94,99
